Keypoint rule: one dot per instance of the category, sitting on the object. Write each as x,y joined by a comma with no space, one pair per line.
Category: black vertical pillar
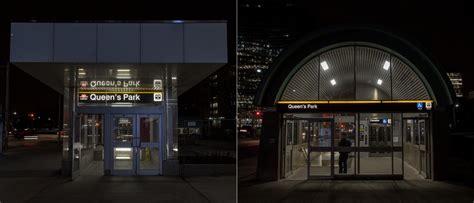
268,154
441,144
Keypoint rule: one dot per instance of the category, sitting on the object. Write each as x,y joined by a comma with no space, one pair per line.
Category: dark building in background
261,37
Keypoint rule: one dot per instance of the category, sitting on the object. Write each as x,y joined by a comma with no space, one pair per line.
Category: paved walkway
355,191
117,189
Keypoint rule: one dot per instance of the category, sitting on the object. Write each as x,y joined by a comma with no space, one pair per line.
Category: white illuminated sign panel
120,90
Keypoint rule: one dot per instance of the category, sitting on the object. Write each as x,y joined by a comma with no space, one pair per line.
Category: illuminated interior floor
369,166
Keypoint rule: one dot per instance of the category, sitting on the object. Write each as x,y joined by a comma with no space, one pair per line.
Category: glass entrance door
415,144
135,145
320,148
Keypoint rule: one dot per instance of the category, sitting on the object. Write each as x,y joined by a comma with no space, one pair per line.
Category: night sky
68,11
444,29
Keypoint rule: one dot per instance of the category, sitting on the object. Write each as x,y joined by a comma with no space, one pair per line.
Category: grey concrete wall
189,42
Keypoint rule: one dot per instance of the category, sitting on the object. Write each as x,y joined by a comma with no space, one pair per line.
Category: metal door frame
427,145
158,145
321,149
135,145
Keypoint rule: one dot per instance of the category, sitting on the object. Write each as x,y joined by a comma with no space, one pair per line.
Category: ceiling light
386,65
259,70
333,82
123,70
325,66
379,82
174,78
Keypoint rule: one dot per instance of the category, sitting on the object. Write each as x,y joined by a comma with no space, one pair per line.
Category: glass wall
92,142
375,156
359,143
103,87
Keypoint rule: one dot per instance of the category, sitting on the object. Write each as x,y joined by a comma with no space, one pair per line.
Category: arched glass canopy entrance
355,111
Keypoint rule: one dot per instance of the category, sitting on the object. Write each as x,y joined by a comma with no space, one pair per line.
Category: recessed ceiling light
259,70
333,82
379,82
123,70
386,65
325,66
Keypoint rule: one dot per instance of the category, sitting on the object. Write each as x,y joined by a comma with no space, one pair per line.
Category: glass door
148,145
136,145
288,147
123,137
320,150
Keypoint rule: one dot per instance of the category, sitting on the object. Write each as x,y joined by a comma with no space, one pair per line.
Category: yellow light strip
118,92
407,101
302,102
355,102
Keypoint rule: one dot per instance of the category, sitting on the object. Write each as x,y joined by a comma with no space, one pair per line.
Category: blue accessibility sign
419,105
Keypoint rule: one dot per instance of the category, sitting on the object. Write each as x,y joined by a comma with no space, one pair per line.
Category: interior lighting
325,66
386,65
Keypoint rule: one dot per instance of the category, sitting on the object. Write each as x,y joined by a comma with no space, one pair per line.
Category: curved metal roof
357,55
355,73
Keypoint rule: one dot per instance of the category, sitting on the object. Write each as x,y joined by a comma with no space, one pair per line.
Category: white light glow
123,149
31,137
259,70
174,78
123,77
123,70
82,73
333,82
122,157
325,66
122,104
379,82
386,65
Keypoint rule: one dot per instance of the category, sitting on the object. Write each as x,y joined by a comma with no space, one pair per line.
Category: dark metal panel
205,43
75,42
118,43
162,43
31,42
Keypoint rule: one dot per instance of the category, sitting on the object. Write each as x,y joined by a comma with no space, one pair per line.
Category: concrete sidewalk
355,191
117,189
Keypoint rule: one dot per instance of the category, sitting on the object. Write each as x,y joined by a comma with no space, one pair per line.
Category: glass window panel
320,164
376,156
123,158
344,141
149,158
397,163
149,129
123,129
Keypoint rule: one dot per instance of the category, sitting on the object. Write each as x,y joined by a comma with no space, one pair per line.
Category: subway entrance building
120,83
390,99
